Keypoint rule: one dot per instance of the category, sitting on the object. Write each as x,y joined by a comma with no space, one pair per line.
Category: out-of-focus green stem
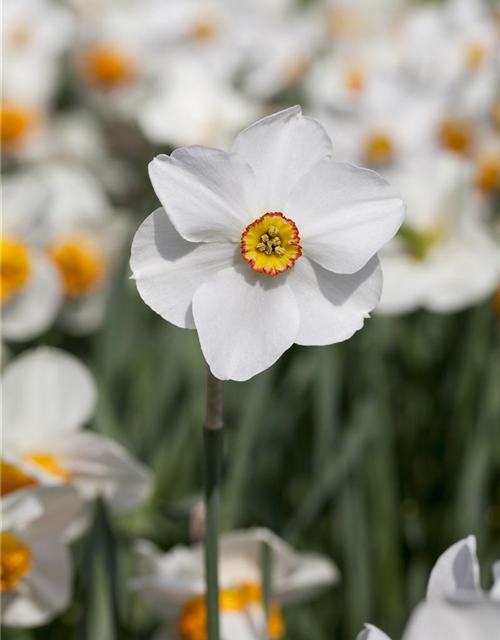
213,433
266,582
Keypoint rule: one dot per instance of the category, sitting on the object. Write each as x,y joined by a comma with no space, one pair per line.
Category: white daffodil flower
48,395
31,288
34,35
444,258
274,233
174,583
189,105
456,606
440,619
83,237
390,124
36,571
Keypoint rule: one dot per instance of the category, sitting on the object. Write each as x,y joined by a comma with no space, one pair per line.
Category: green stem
266,582
213,433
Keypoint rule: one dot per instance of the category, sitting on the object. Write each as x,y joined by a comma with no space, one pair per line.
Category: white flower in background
189,105
391,124
444,258
48,395
277,205
34,35
31,288
285,47
456,606
174,584
36,571
83,237
216,32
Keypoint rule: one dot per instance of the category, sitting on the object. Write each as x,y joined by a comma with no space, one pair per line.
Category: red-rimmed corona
270,244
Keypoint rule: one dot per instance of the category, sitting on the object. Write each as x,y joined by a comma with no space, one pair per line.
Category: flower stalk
213,437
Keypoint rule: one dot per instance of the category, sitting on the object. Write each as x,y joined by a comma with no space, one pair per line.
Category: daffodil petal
33,310
168,269
245,322
435,620
456,570
100,466
208,194
333,306
45,392
344,215
372,633
280,149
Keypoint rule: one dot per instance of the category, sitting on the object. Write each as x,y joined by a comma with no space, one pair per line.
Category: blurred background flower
380,452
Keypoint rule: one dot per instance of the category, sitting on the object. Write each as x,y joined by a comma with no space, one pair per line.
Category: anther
279,251
264,238
276,242
273,231
261,246
269,249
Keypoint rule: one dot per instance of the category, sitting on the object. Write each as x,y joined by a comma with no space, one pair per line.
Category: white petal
46,591
344,215
372,633
34,309
245,322
465,272
311,574
333,306
61,507
440,620
208,194
456,570
237,624
100,466
280,149
19,508
407,283
45,391
169,269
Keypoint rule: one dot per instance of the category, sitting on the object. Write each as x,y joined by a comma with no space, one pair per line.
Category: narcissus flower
48,395
268,245
456,606
31,291
36,567
174,584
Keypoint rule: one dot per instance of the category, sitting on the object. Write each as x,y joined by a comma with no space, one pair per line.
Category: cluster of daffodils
410,91
456,606
52,470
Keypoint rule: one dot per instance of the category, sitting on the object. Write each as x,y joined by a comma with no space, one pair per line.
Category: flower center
50,464
488,174
204,29
82,268
15,268
17,122
14,563
192,623
379,148
20,35
107,67
271,244
456,135
418,243
344,22
354,78
13,479
474,55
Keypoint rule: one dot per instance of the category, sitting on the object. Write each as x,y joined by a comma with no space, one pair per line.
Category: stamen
271,244
456,135
15,268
